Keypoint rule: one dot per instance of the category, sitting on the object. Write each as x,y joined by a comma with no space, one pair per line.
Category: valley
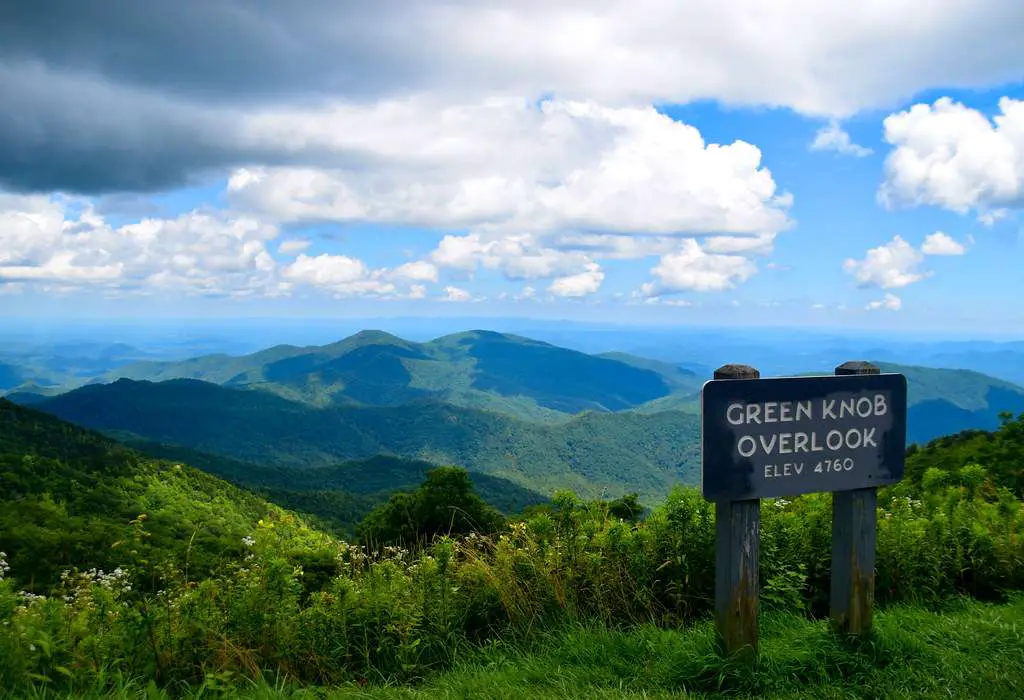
538,416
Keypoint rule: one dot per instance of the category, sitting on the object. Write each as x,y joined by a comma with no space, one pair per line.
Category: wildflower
4,566
248,541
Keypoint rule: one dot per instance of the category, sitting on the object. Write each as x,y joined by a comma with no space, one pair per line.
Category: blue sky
521,178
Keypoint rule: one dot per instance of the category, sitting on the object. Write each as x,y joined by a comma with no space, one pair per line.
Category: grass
969,650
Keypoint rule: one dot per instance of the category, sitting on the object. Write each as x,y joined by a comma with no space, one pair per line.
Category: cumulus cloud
952,156
578,285
890,302
939,243
63,239
181,77
457,294
693,269
889,266
61,243
832,137
419,271
507,166
898,264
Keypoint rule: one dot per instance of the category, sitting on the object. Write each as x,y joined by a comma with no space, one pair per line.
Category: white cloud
818,307
61,267
326,270
891,302
543,192
293,246
939,243
417,271
760,245
63,240
888,266
952,156
832,137
692,269
579,285
989,218
59,244
507,167
517,257
660,301
527,293
457,294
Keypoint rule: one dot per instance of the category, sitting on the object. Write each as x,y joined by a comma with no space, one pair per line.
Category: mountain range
503,406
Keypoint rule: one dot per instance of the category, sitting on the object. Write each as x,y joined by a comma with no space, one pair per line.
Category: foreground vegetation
203,585
970,650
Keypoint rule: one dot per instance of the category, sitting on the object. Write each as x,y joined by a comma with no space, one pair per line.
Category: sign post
854,528
770,438
737,558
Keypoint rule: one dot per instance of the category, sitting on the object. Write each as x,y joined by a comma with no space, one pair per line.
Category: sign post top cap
736,372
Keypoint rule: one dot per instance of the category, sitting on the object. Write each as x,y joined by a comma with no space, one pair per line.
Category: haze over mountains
503,406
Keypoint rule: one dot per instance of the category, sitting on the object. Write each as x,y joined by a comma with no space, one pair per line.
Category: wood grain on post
854,529
737,559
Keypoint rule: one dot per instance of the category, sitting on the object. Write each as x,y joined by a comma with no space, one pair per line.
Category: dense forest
119,566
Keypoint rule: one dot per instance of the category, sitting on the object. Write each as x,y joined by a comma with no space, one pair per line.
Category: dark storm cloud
138,96
215,50
74,133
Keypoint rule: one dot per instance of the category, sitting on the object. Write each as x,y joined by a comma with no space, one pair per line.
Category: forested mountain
589,453
478,369
946,401
513,376
70,496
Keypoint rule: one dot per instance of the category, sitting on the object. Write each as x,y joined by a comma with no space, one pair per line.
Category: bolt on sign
766,438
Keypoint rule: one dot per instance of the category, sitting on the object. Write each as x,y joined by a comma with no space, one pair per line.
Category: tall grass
335,613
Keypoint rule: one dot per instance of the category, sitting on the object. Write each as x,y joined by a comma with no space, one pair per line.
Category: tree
445,503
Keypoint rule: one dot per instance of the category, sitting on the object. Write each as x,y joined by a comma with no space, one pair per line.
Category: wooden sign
766,438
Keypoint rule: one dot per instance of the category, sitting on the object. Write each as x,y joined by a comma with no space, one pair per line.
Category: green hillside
589,453
478,369
342,494
69,496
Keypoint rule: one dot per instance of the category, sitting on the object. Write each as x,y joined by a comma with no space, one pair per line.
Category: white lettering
815,447
838,439
846,408
800,442
869,438
786,412
863,407
803,407
768,446
753,413
828,408
729,414
785,443
769,412
746,439
881,407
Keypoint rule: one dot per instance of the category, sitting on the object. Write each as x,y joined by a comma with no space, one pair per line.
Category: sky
809,163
